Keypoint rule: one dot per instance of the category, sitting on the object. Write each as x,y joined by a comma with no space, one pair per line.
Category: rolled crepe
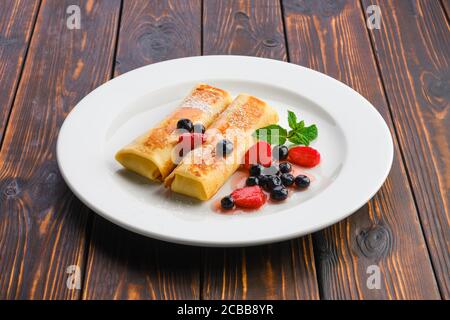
150,155
203,171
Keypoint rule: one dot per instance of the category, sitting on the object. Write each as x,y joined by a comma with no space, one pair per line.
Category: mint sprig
298,135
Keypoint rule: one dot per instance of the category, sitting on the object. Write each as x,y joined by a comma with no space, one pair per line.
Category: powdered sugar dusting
240,118
201,98
196,102
242,113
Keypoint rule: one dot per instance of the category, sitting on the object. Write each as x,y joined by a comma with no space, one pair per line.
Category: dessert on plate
196,149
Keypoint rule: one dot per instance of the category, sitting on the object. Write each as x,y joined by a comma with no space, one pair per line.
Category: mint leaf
310,132
299,139
292,120
273,134
303,135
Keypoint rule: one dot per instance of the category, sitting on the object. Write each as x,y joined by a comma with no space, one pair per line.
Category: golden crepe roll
202,172
150,155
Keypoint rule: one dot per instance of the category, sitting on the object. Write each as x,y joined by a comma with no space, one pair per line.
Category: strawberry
304,156
259,153
249,197
191,140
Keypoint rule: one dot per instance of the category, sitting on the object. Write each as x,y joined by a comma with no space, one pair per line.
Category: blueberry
272,170
227,202
280,152
251,181
185,124
285,167
262,181
224,148
273,181
302,181
287,179
199,128
279,193
256,170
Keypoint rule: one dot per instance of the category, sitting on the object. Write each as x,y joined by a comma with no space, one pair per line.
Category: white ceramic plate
354,141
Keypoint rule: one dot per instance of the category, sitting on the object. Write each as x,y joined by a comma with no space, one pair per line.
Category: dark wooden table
401,68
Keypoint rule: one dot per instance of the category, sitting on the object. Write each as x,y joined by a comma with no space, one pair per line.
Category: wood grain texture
279,271
123,265
250,28
413,50
42,225
331,37
446,5
16,25
154,31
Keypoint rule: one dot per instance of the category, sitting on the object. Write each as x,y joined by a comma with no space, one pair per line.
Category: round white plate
354,141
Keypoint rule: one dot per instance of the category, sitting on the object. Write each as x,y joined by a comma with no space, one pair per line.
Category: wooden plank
413,48
122,265
280,271
446,4
17,20
42,225
331,37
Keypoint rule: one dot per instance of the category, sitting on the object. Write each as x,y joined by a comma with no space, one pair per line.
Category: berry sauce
238,179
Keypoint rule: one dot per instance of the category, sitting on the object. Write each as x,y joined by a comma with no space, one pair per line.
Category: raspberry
259,153
304,156
249,197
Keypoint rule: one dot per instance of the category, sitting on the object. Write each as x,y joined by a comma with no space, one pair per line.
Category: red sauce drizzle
238,181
